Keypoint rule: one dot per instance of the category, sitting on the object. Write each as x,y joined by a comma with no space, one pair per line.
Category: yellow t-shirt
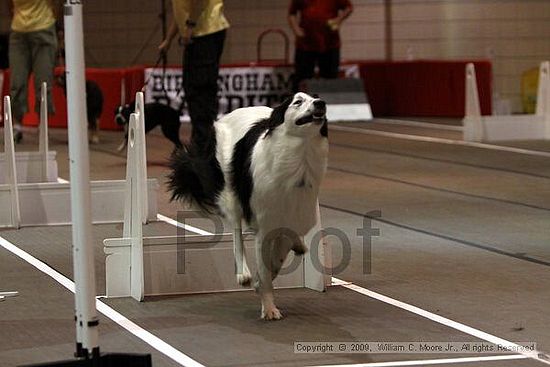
32,15
208,14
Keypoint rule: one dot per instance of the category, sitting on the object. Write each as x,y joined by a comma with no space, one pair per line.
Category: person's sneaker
17,137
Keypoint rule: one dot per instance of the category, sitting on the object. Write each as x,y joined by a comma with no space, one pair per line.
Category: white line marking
62,180
427,125
184,226
539,356
426,362
105,309
440,140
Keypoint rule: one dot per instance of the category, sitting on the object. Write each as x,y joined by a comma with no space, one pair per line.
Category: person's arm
172,31
295,25
293,21
195,10
335,23
57,8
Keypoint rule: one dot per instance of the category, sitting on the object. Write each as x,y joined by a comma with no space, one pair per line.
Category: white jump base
510,127
49,203
44,204
192,265
29,167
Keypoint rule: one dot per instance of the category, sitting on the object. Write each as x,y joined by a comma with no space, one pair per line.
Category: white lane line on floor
427,125
62,180
427,362
440,140
138,331
536,355
183,225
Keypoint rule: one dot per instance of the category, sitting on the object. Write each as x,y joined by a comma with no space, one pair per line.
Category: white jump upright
49,203
37,166
511,127
43,146
134,201
141,152
9,163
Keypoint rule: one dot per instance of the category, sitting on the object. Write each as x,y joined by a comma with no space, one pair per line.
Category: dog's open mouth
317,117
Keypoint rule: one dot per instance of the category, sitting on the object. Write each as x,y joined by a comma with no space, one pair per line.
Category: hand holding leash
164,46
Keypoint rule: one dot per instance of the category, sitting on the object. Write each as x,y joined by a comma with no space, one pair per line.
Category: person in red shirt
315,24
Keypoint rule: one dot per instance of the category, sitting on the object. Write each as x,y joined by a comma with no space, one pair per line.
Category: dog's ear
278,113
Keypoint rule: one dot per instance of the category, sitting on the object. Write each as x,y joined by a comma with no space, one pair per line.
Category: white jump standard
39,166
48,203
512,127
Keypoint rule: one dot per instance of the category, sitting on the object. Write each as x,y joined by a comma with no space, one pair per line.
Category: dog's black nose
320,104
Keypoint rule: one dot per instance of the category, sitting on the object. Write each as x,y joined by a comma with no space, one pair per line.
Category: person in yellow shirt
32,48
202,26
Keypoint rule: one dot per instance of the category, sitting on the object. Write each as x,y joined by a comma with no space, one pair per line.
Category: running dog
264,167
155,114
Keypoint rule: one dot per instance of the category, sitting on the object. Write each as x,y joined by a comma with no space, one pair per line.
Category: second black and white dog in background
264,167
155,114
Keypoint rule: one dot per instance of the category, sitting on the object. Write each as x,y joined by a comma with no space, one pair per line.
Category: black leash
162,57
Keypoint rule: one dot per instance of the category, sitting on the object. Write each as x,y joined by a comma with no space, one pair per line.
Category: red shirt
314,15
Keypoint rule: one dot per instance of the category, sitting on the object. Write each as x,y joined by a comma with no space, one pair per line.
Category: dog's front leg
243,273
264,283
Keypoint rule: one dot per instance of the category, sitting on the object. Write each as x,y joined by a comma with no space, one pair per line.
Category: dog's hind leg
264,283
243,273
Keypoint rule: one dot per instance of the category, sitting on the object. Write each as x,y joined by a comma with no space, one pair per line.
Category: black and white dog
155,114
264,166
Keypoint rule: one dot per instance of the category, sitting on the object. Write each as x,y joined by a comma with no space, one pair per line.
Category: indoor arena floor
464,236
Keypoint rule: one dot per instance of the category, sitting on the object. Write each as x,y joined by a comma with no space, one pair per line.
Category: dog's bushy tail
196,176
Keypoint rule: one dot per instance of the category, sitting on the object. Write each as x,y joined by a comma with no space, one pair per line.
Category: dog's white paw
271,313
244,279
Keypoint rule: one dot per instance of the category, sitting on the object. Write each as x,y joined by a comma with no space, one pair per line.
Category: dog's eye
298,102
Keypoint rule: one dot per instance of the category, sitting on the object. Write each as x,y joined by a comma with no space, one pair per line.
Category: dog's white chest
286,179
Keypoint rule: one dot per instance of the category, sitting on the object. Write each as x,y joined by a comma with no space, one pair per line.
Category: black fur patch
196,176
242,156
324,129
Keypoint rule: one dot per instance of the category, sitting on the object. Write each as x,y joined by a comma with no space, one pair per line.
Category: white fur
287,169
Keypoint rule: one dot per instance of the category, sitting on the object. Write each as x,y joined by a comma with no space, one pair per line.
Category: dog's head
122,114
302,115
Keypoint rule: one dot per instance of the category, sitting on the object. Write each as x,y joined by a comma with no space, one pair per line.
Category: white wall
514,33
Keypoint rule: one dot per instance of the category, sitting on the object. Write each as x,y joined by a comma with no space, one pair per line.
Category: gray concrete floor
463,233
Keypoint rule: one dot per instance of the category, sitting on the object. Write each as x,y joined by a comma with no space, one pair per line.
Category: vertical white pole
132,214
43,138
11,176
142,152
473,122
543,96
83,255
